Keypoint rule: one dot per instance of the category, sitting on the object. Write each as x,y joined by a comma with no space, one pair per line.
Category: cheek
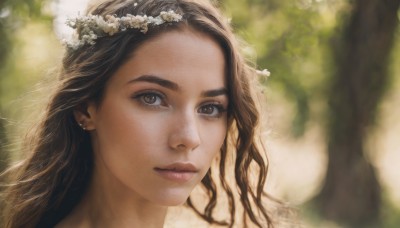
212,140
128,139
125,125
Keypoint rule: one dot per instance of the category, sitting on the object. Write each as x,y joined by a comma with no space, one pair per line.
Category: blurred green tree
285,36
361,56
13,15
307,55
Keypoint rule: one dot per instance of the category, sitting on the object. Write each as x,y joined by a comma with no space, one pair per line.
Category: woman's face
162,119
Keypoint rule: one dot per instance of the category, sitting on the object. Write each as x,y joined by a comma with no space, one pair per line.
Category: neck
108,203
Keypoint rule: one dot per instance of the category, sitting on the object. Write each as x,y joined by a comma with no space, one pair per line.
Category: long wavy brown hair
53,177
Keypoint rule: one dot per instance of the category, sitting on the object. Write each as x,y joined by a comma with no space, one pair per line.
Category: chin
170,200
173,202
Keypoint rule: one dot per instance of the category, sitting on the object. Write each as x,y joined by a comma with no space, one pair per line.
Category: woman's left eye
211,110
151,99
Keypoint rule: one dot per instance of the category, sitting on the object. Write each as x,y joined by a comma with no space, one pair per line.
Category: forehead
183,55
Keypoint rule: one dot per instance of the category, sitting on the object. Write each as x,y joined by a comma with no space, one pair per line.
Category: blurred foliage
15,75
290,40
15,15
297,42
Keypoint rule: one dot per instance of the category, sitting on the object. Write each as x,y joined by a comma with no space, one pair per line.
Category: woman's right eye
150,99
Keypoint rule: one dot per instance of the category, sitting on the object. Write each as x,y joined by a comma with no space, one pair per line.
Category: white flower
170,16
91,27
264,72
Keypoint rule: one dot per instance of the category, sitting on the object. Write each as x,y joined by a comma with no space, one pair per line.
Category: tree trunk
351,193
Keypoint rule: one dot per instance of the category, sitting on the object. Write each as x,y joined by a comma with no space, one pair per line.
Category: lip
177,172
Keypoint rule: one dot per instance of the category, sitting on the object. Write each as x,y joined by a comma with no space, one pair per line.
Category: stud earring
82,126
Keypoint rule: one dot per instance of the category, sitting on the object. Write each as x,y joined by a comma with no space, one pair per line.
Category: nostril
181,146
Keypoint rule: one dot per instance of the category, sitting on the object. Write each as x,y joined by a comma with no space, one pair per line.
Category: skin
165,105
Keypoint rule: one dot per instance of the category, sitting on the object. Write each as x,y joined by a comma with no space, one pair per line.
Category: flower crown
91,27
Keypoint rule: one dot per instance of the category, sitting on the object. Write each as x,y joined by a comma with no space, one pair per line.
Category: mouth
177,172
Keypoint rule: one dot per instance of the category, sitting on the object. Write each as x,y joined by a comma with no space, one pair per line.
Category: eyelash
219,107
142,95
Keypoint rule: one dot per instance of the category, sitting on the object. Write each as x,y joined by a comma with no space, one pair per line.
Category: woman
151,92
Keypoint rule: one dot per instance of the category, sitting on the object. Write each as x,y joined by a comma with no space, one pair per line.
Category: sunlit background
290,37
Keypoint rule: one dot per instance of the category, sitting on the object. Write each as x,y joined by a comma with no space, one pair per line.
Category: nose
184,135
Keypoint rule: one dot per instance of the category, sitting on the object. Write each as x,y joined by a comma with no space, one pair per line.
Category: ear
85,116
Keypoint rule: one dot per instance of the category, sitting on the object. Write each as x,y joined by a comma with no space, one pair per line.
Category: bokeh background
332,102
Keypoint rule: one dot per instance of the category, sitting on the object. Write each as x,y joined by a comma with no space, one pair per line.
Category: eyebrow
215,92
175,87
156,80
